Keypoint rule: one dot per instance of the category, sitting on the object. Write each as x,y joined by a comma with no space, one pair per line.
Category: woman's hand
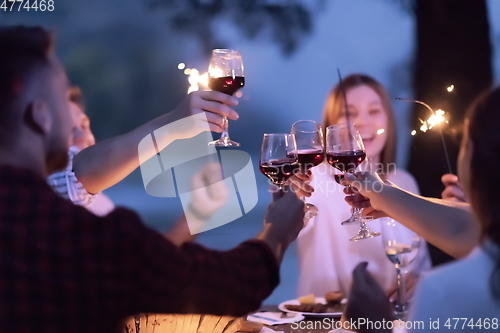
453,190
363,192
300,183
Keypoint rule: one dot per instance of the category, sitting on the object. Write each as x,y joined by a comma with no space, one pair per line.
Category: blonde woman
326,256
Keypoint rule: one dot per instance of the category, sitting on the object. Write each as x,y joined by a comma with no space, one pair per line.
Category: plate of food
332,305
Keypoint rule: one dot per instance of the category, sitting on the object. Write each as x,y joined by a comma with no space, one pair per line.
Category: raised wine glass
226,74
363,232
310,151
345,151
401,247
278,157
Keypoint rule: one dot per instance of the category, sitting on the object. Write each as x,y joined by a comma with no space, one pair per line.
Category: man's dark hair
24,51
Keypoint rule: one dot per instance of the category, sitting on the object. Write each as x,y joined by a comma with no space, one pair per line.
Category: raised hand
453,189
209,192
363,192
215,106
300,183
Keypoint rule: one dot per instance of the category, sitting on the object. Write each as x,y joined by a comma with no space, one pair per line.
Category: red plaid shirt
63,269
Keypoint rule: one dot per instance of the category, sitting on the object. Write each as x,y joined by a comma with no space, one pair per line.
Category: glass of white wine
401,247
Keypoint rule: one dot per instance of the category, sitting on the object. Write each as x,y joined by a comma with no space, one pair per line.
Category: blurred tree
453,47
289,20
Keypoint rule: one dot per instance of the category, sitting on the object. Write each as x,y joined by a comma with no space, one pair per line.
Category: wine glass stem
225,127
401,299
356,214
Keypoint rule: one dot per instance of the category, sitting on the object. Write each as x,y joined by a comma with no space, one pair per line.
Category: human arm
447,225
283,221
106,163
208,194
193,279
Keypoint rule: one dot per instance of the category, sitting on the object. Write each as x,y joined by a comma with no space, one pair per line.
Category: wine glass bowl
278,157
345,152
226,75
310,151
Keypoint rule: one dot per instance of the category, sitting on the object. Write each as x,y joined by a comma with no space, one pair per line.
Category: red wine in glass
279,170
338,178
226,74
309,158
226,84
346,161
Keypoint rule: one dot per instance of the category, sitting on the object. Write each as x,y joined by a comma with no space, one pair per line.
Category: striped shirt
67,185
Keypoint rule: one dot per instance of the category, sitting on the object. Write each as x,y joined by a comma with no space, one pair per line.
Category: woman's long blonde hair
334,109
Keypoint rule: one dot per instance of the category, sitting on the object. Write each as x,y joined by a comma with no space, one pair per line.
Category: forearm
104,164
447,225
183,232
277,245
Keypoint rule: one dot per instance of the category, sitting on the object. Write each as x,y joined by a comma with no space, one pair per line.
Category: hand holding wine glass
345,152
278,157
401,247
310,151
226,75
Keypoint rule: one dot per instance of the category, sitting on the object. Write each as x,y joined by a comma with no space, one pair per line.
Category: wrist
275,241
382,197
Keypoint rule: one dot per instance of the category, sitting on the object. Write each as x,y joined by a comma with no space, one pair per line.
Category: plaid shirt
63,269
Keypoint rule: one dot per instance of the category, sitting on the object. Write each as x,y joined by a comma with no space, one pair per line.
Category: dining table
172,323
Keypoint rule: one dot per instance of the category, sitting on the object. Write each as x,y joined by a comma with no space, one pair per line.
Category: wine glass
401,247
278,157
226,74
310,151
363,232
345,151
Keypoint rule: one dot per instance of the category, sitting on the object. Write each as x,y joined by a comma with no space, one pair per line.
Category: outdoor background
124,54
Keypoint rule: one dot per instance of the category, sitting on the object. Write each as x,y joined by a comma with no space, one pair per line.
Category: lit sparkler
199,81
437,117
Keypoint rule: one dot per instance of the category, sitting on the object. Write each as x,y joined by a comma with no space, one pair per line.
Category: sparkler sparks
199,81
437,117
196,80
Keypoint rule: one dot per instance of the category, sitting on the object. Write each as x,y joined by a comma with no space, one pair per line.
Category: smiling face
367,112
